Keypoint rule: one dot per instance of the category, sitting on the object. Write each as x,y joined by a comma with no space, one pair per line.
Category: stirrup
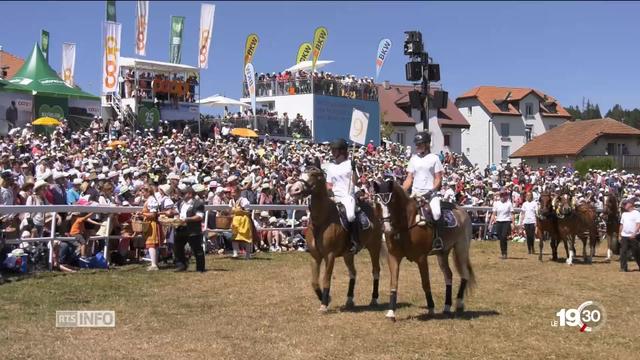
437,249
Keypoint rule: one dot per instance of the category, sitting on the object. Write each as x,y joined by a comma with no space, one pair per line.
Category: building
575,140
9,64
503,119
446,129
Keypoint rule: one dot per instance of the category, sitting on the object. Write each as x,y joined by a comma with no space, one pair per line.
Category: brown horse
577,220
611,216
547,224
327,239
405,238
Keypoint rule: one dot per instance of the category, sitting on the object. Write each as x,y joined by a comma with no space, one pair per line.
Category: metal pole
205,233
52,237
106,242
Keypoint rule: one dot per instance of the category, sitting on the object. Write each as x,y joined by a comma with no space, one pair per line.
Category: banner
319,39
250,47
207,12
303,52
111,56
142,20
175,43
249,75
68,62
359,124
44,44
111,10
383,52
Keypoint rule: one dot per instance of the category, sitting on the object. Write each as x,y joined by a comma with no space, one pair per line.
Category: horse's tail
461,257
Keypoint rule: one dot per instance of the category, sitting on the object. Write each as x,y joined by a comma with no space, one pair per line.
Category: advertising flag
207,12
303,52
383,52
319,39
111,56
175,45
111,10
44,44
250,47
249,75
142,21
359,124
68,62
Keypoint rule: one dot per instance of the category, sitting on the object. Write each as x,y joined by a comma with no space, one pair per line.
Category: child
80,232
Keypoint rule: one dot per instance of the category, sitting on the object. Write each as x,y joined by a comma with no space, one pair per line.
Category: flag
111,56
250,46
319,39
175,45
44,44
111,10
359,124
142,21
303,52
207,12
383,52
68,62
249,75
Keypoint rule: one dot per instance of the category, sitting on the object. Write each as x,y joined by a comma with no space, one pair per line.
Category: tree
574,112
386,128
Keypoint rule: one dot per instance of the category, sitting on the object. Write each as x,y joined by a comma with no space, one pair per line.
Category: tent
306,65
221,101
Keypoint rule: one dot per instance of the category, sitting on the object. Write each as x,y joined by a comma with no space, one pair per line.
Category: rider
424,178
341,181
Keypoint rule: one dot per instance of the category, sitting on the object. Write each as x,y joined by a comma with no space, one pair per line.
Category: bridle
384,199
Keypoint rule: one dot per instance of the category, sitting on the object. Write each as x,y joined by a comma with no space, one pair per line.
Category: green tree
386,128
574,112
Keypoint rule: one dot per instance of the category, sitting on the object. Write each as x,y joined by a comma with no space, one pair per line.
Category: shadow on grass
369,308
467,315
252,258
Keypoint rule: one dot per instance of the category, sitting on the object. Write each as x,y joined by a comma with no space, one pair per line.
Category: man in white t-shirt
424,178
629,230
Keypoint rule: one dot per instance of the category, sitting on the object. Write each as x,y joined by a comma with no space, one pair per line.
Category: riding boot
438,245
353,236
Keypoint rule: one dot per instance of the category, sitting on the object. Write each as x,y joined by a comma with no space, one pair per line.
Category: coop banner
111,56
207,12
142,20
68,62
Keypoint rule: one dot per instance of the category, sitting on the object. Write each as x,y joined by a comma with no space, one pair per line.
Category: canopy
47,121
221,101
36,75
242,132
306,65
156,66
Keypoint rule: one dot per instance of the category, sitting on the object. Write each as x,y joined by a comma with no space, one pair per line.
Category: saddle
446,212
361,217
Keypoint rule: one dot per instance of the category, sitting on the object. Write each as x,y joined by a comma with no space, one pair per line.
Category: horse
406,239
611,216
577,220
547,223
327,239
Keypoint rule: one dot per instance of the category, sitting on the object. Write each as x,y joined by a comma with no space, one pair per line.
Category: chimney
387,86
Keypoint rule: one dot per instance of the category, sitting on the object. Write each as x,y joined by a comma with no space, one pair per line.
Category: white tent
221,101
306,65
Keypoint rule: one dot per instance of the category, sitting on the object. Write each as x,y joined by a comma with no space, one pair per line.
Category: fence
328,87
273,126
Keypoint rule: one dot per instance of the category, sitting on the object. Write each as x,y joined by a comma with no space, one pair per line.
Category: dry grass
265,309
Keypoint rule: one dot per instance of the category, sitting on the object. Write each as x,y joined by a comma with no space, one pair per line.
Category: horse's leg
572,246
329,260
555,242
348,260
374,252
394,270
423,266
609,237
315,275
443,261
542,236
585,245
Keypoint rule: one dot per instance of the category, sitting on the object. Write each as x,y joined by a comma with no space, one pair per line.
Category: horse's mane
399,205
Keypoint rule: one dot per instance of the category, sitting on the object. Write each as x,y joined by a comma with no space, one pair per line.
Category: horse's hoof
349,304
447,313
373,303
460,309
323,309
431,311
391,315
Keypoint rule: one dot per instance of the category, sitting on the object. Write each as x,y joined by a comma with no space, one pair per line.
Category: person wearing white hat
59,188
35,221
73,193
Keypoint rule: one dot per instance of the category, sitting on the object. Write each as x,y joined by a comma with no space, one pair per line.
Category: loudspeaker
440,100
433,71
413,71
415,99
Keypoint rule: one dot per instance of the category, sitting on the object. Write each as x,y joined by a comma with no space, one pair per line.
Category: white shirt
185,208
529,208
424,171
341,178
503,210
629,221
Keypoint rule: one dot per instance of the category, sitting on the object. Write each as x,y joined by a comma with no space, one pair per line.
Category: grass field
265,309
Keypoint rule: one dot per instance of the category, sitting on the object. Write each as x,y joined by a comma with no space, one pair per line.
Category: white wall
600,147
92,106
475,141
514,141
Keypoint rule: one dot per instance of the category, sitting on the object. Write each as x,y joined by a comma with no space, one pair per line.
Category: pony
577,220
406,239
611,216
547,223
327,239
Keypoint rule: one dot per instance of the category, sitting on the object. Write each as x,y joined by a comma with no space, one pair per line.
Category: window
528,131
504,130
551,160
447,140
541,159
529,110
470,110
400,138
505,153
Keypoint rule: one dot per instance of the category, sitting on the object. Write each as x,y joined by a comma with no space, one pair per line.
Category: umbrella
117,143
221,101
47,121
242,132
306,65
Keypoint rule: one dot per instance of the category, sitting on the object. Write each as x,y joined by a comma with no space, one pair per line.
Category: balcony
272,126
273,87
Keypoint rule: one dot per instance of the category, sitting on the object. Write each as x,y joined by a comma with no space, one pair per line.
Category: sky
569,50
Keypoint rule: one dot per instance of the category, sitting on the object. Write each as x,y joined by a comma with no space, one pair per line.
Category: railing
273,126
623,162
320,87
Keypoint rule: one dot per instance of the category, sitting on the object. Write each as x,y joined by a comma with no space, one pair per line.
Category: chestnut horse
547,223
405,238
611,216
327,239
577,220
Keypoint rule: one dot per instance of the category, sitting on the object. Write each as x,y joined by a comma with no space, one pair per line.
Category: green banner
111,10
175,43
44,44
51,106
148,118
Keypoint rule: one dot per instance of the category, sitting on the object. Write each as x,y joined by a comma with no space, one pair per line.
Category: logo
106,318
304,52
204,44
177,26
54,111
588,317
358,126
140,37
111,64
384,50
250,48
67,75
148,118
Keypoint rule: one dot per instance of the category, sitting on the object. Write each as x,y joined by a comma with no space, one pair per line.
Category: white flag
68,62
383,52
359,125
111,56
249,75
206,30
142,22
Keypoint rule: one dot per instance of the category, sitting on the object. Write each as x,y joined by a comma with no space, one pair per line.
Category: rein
385,199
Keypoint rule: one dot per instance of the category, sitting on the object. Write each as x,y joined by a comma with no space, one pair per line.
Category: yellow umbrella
47,121
242,132
117,143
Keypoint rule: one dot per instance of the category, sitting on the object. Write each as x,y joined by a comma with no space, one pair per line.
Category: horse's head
610,205
563,206
388,195
312,180
546,206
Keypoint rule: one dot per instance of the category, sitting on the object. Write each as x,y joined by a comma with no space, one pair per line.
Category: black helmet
339,144
422,137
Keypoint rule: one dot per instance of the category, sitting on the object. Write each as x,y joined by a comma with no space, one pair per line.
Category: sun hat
39,184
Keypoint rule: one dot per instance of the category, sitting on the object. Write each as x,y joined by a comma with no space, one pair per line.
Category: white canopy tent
306,65
221,101
156,66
